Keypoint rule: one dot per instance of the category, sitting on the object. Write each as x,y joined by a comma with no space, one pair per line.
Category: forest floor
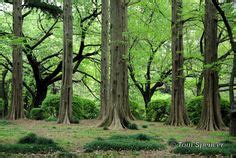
73,137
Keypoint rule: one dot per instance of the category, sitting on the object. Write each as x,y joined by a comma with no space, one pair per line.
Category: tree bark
5,88
233,73
17,109
232,94
199,85
147,99
178,114
119,115
65,112
232,91
104,89
124,57
211,116
41,94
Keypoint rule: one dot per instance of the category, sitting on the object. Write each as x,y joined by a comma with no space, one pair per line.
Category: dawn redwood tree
124,58
233,95
211,116
118,114
5,90
17,108
104,88
178,114
233,72
65,111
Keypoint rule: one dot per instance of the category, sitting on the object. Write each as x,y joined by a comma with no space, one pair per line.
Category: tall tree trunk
104,89
118,114
5,88
178,114
232,94
65,112
17,109
211,115
233,73
124,57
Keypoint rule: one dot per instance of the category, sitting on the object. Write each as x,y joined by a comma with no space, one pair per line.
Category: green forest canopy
149,37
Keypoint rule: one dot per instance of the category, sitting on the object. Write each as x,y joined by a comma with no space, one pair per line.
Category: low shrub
226,150
66,154
37,114
194,107
140,136
106,145
81,108
32,138
145,126
132,126
28,148
158,110
123,142
51,105
51,119
226,142
47,141
89,108
31,143
28,139
137,110
195,150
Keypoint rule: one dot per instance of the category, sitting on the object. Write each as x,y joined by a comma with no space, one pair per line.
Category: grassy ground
73,137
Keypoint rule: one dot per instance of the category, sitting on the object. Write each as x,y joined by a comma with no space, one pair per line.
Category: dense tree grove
124,56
